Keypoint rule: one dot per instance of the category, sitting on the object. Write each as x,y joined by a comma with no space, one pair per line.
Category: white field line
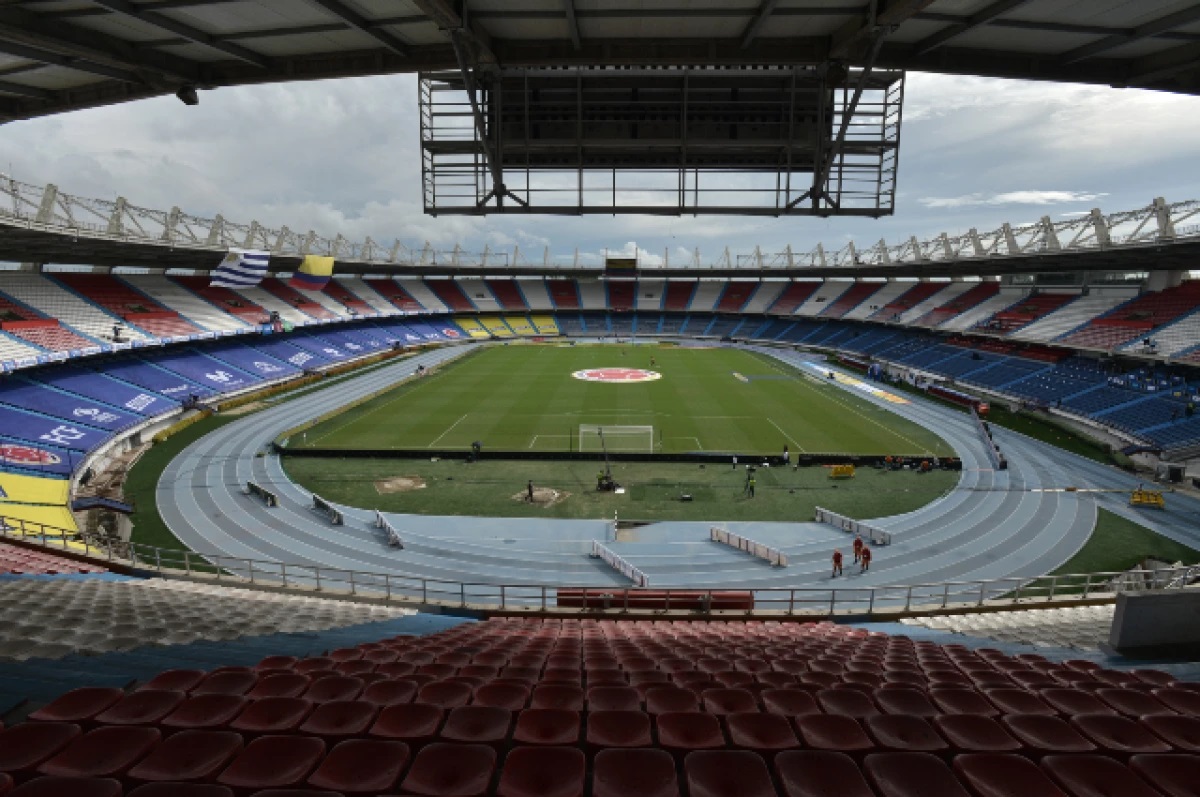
788,436
443,434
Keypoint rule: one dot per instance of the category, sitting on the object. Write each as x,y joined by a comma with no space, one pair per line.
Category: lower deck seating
564,708
18,560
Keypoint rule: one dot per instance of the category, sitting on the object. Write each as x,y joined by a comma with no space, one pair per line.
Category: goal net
594,437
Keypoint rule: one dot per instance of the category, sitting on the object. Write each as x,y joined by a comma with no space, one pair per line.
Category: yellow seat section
53,521
545,325
520,325
472,327
18,489
496,326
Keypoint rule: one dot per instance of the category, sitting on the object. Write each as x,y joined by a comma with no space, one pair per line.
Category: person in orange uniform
837,563
858,546
866,559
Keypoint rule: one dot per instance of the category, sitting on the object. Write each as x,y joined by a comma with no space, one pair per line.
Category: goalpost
595,437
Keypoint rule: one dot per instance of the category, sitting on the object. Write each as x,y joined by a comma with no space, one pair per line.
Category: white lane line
448,431
788,436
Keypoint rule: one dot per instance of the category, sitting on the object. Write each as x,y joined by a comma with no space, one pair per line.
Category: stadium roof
59,55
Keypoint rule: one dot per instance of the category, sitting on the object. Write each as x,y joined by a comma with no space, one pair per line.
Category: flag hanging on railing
313,274
241,268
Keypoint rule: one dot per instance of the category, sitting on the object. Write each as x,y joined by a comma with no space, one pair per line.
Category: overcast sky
343,156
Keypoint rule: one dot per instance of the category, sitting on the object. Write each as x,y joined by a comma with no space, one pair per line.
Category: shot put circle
617,376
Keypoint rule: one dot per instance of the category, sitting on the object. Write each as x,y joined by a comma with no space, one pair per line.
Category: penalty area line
448,431
788,436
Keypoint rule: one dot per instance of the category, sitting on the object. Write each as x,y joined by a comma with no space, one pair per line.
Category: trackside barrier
815,601
772,555
985,437
392,537
693,600
852,526
268,497
321,505
619,564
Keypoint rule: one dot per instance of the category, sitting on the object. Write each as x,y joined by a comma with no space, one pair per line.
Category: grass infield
525,397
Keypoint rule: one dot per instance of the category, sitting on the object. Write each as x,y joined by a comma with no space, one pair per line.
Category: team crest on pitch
617,376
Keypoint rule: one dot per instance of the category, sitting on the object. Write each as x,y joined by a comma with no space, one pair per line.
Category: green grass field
523,397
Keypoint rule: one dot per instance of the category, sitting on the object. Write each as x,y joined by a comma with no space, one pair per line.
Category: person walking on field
529,494
858,547
837,563
866,559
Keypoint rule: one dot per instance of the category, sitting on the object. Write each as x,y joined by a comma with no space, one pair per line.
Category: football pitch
655,399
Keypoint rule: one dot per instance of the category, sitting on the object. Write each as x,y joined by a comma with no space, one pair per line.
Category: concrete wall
1157,620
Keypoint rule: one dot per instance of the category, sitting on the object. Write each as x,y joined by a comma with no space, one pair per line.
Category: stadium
302,513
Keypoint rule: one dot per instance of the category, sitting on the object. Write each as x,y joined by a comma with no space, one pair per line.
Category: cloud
1011,198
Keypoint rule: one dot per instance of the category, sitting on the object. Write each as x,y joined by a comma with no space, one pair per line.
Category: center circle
618,376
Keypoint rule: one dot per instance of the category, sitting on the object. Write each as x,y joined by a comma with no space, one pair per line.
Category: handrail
888,600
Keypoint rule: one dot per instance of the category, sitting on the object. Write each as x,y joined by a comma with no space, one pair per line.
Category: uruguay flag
313,274
240,269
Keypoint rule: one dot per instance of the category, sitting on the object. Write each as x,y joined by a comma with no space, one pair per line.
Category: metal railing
888,601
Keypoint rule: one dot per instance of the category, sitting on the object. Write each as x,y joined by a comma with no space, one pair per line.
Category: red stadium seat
273,762
357,668
904,734
361,766
144,707
971,733
543,772
477,725
340,719
272,715
606,729
396,669
289,684
1017,701
765,734
1046,735
910,702
634,773
276,663
729,701
680,732
462,770
509,696
1003,775
446,694
819,773
720,773
846,702
1182,733
789,702
24,747
213,712
389,693
188,756
1173,775
175,680
414,723
1132,702
174,789
555,696
1183,701
1119,736
1069,702
614,698
78,705
103,753
335,687
546,726
833,732
310,665
911,775
68,787
962,701
661,699
226,682
1095,776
